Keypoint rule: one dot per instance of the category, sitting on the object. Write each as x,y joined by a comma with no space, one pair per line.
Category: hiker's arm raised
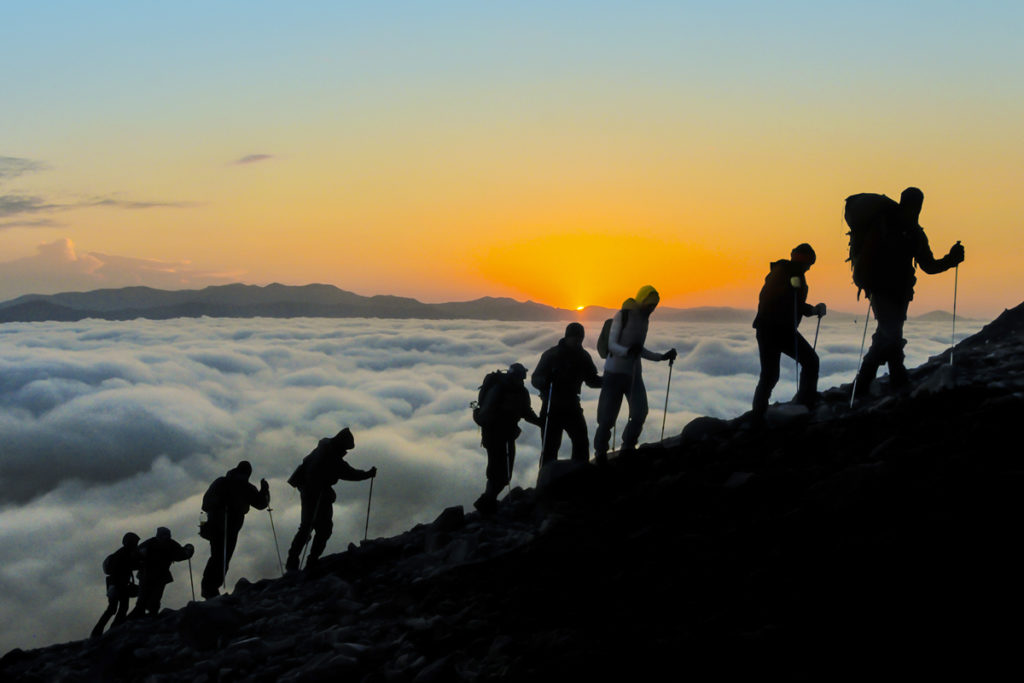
931,265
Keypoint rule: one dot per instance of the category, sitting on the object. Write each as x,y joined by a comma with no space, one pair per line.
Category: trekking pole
853,391
795,282
544,434
312,522
508,468
273,530
224,576
952,339
191,581
664,413
815,347
366,529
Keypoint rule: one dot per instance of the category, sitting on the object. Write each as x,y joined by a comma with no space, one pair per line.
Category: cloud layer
116,426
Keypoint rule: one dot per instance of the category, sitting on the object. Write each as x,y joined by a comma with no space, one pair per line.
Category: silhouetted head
911,200
130,540
517,371
803,255
574,334
163,532
647,299
343,441
244,468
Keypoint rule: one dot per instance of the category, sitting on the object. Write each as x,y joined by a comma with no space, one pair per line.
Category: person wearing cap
155,558
315,478
504,404
781,305
226,502
118,566
622,372
559,375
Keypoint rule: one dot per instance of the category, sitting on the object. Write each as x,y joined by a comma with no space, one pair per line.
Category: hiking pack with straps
492,380
872,237
606,330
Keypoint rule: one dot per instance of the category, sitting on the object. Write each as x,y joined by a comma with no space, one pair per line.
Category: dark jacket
119,566
565,369
234,495
505,404
905,244
780,304
156,556
323,467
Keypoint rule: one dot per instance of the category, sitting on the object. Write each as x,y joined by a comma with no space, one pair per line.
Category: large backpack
606,330
482,408
302,472
869,238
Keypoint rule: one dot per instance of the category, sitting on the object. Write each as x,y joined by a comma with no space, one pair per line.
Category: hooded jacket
621,338
780,304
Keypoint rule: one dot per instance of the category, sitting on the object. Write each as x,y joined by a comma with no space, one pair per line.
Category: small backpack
481,407
606,330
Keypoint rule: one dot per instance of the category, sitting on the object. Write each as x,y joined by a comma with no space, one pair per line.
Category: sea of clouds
107,427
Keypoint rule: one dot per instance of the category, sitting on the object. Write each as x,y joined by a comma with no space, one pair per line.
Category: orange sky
449,156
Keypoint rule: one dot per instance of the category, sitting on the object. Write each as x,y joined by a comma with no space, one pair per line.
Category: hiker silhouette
155,557
119,567
226,502
315,478
623,376
886,241
781,305
559,375
504,400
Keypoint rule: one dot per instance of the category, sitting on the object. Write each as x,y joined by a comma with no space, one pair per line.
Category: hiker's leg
637,399
552,436
807,393
322,529
769,352
614,387
576,428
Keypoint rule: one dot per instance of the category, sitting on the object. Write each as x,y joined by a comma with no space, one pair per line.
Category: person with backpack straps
118,566
155,557
315,478
782,303
504,400
886,241
627,333
559,375
226,503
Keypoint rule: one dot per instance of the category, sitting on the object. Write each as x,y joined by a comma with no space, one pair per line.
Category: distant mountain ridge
319,301
314,300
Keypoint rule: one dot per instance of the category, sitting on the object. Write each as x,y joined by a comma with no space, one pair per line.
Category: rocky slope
880,541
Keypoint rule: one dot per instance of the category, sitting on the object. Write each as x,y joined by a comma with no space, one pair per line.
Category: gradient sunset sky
565,152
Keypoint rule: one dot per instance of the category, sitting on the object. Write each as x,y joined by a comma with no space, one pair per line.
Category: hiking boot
485,505
601,459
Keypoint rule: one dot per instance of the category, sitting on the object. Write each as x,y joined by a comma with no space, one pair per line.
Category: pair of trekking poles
316,512
952,336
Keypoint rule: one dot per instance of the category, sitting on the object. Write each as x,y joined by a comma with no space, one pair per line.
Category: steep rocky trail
880,540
